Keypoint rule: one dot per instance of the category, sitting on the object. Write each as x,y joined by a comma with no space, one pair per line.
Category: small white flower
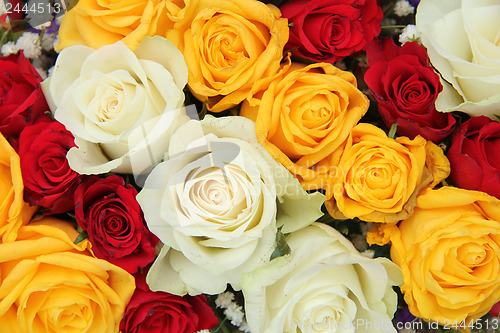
48,42
50,71
55,42
9,48
368,253
403,8
359,242
29,42
203,331
38,65
244,327
224,300
409,34
235,313
3,10
42,72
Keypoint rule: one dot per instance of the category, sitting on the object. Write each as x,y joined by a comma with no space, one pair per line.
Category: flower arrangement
249,166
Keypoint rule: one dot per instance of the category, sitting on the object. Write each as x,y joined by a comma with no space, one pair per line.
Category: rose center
111,104
339,27
224,44
471,254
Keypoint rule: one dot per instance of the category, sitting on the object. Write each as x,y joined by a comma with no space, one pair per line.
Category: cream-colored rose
324,285
216,204
121,106
463,42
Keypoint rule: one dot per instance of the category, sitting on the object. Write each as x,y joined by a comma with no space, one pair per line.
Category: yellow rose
378,178
13,210
449,252
304,115
49,284
98,23
228,46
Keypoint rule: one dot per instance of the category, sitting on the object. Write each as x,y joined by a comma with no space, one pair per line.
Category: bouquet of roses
254,166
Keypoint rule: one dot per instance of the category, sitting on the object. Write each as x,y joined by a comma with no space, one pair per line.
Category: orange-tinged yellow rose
228,45
13,210
449,252
96,23
49,284
303,117
378,178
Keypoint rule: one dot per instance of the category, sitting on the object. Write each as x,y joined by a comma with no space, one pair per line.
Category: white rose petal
121,106
29,42
216,204
325,284
463,43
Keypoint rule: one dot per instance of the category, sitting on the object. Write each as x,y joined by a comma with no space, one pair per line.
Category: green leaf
204,110
282,247
392,131
83,235
498,117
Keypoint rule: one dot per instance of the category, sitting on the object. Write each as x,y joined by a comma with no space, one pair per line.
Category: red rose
113,219
406,87
474,156
495,310
21,98
48,180
330,30
161,312
16,12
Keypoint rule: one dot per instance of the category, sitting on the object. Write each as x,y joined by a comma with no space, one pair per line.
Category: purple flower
414,3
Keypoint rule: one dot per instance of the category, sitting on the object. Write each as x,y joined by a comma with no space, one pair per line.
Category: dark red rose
474,156
21,98
15,13
48,180
161,312
495,310
406,87
113,219
330,30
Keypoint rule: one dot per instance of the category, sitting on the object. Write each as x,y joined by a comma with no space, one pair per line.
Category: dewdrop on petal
29,42
403,8
409,34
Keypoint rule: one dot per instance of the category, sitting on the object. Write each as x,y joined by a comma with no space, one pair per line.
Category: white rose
463,42
121,106
324,285
216,204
